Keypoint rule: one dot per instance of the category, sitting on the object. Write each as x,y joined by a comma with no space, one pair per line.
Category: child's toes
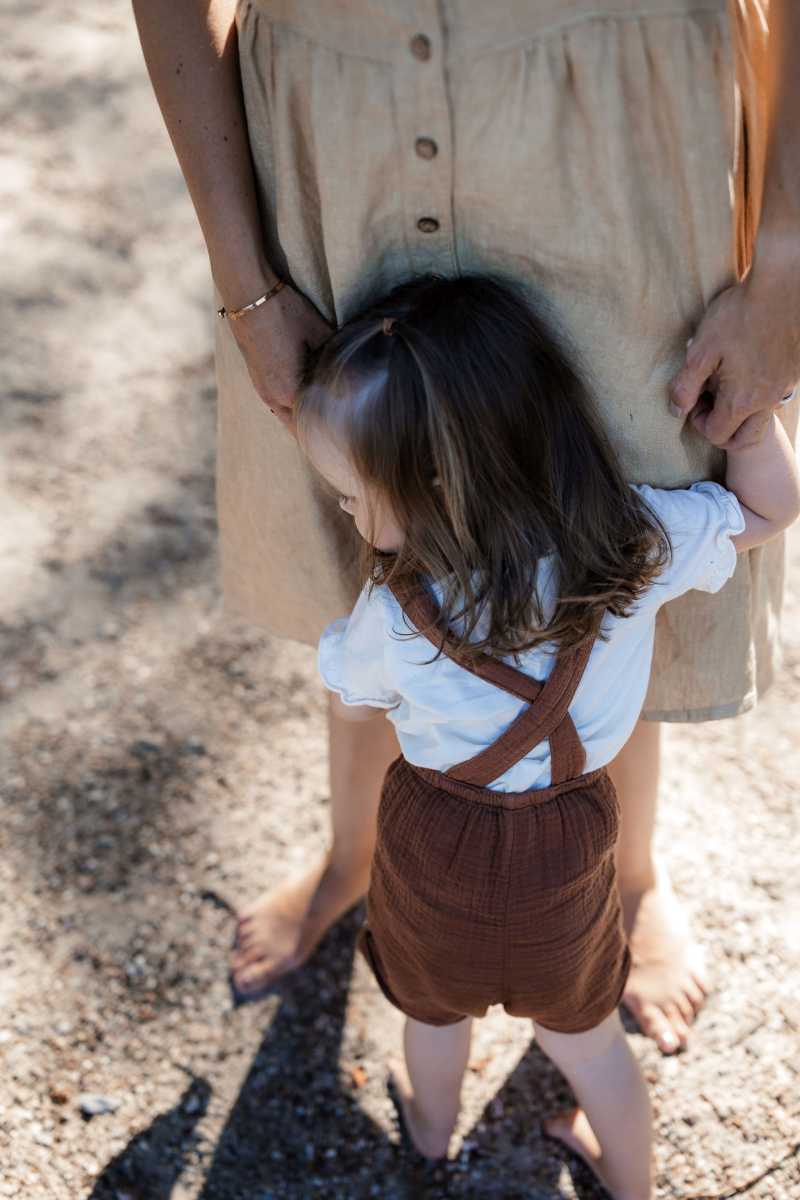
573,1129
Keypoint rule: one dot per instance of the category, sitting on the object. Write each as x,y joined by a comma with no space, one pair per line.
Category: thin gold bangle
239,312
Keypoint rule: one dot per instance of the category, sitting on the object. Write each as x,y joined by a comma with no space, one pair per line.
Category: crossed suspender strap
547,713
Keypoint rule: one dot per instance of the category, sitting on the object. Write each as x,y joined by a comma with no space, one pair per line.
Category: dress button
420,47
427,224
426,147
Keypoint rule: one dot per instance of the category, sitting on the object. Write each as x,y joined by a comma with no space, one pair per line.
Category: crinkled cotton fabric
589,150
444,714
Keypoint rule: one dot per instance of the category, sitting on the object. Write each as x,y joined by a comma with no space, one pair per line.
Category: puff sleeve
700,521
351,656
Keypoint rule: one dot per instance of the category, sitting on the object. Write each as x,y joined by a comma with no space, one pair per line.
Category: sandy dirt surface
161,763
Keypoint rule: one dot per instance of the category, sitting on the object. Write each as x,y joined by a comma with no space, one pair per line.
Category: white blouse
444,714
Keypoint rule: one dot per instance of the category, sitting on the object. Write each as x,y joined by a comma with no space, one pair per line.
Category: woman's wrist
242,283
777,248
237,314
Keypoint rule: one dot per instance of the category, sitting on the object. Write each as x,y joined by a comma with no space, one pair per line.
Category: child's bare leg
280,929
436,1059
612,1128
667,982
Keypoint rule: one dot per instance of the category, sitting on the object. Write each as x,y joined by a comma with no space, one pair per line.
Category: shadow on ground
295,1131
151,1164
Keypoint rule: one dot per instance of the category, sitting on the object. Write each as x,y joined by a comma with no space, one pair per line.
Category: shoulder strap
419,606
548,717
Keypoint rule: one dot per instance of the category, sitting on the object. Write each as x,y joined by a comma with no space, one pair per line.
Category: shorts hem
582,1026
365,945
717,712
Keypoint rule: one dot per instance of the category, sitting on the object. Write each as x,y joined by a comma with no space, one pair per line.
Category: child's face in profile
368,507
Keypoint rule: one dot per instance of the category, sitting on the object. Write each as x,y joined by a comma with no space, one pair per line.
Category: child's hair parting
463,410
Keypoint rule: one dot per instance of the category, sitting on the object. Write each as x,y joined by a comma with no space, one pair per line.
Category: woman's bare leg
280,930
667,982
612,1129
429,1087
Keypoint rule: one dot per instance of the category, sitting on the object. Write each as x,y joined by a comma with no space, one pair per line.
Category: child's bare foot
573,1129
281,929
430,1143
667,984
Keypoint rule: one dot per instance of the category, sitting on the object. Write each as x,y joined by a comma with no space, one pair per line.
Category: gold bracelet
239,312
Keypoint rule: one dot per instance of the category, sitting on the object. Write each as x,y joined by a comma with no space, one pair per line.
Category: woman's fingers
731,413
273,341
702,360
751,431
744,350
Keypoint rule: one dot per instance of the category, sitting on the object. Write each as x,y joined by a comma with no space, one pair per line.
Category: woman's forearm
191,52
779,227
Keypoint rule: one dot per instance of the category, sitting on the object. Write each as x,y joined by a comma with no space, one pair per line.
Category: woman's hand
273,339
192,55
745,353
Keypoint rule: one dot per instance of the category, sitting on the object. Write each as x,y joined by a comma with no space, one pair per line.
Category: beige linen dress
594,151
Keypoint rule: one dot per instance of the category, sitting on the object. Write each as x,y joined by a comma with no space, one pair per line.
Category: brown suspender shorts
479,897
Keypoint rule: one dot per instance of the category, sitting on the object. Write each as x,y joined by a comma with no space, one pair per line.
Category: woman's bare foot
668,983
573,1129
428,1142
279,932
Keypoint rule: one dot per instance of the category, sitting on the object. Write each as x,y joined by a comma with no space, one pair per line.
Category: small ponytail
483,438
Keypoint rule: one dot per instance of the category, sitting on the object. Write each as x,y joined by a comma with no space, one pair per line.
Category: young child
506,629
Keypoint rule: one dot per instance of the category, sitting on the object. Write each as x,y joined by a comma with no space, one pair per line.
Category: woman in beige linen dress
602,154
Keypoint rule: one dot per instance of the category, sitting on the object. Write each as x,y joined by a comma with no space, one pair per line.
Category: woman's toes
244,930
685,1008
695,995
678,1023
245,940
243,955
248,978
702,982
654,1024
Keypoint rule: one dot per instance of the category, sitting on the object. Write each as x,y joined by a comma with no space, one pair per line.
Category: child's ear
437,481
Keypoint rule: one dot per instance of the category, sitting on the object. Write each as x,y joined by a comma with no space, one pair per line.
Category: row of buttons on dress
425,147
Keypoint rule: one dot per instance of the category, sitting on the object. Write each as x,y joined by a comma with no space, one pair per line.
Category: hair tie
388,322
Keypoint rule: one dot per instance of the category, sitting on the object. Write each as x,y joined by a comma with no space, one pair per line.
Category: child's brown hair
475,425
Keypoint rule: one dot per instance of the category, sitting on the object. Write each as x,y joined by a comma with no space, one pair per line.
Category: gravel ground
162,763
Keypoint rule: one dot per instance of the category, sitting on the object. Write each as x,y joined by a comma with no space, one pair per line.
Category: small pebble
59,1093
141,748
93,1104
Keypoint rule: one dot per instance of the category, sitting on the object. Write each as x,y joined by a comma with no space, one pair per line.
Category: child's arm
353,712
764,478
